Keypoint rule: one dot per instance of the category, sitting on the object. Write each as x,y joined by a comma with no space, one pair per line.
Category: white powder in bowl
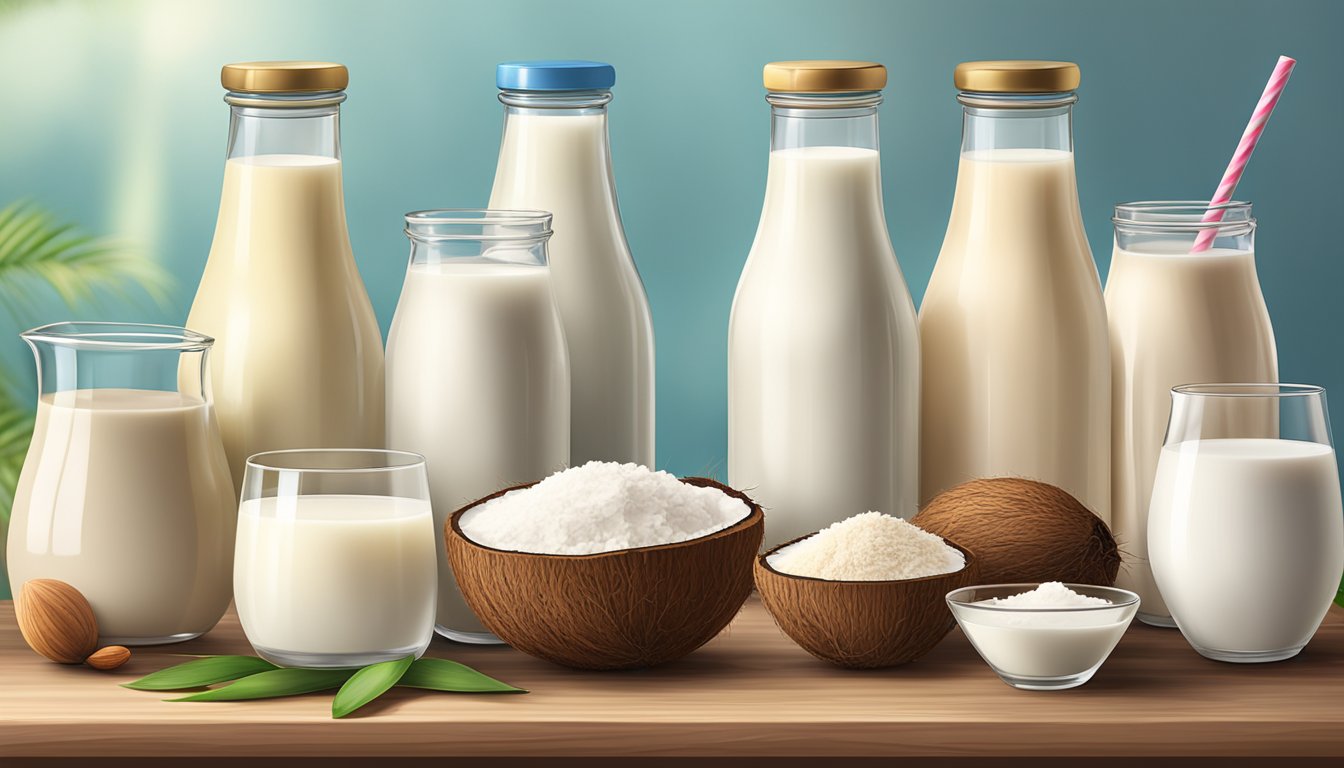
1051,594
869,547
601,507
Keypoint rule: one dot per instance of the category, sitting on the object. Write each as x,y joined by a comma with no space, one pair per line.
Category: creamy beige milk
298,357
126,496
336,574
559,163
478,383
1175,318
1016,361
1246,540
823,351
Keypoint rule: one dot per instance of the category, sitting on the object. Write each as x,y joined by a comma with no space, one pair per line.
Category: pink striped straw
1268,100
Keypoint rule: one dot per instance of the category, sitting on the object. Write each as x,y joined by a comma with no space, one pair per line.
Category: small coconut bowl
861,624
626,609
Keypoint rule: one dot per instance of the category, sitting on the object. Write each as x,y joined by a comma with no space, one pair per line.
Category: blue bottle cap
554,75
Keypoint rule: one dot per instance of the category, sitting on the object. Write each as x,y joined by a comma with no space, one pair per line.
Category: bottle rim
987,100
1183,216
117,336
823,100
488,224
284,100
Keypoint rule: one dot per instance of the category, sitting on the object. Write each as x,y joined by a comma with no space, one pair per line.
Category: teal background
112,116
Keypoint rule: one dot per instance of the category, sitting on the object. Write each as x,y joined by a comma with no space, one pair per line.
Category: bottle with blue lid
556,156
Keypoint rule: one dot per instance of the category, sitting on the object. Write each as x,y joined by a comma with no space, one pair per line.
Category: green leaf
445,675
274,684
368,684
39,252
201,672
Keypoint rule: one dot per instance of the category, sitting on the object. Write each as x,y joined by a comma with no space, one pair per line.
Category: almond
108,657
56,621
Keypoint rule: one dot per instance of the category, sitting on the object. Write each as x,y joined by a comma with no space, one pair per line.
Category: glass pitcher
125,493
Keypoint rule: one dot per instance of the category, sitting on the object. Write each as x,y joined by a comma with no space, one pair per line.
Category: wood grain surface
749,693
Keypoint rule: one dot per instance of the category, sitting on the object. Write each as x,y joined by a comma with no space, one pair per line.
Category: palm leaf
40,254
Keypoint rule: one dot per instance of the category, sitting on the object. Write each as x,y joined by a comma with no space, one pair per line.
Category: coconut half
862,624
612,610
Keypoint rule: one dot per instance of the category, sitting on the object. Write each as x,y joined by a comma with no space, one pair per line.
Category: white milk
1016,360
560,163
126,496
298,357
1246,540
1175,318
823,351
477,382
1044,644
336,575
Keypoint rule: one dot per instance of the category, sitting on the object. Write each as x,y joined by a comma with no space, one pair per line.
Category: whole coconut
1024,531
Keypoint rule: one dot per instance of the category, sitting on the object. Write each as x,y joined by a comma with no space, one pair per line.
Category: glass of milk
125,493
335,560
1174,317
1245,529
478,373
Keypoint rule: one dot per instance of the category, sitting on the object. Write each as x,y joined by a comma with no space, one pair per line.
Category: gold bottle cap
1016,76
284,77
824,76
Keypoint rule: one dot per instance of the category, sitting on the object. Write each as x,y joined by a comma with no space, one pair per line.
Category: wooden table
750,693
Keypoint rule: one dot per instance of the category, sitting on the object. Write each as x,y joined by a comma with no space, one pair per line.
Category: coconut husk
862,624
1024,531
614,610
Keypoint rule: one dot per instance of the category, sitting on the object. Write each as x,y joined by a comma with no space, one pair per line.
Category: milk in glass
298,356
1016,361
823,348
555,157
1175,318
125,492
478,379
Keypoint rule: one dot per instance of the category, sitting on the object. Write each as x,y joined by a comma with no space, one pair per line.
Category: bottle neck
1017,121
800,120
285,124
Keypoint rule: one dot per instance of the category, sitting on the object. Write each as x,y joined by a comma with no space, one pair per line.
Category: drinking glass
1245,529
335,563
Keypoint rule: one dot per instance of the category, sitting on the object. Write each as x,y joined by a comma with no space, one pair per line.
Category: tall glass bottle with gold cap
1013,327
823,346
298,359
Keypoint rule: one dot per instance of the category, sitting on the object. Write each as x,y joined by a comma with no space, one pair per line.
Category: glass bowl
1043,649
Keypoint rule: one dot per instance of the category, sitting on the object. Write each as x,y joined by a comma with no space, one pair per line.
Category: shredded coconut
1051,594
870,547
601,507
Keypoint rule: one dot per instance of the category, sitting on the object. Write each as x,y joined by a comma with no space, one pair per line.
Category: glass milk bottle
477,372
555,157
125,493
823,347
1175,318
1016,362
298,357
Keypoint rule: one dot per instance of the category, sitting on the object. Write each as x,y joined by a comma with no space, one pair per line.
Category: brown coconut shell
1024,531
862,624
613,610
